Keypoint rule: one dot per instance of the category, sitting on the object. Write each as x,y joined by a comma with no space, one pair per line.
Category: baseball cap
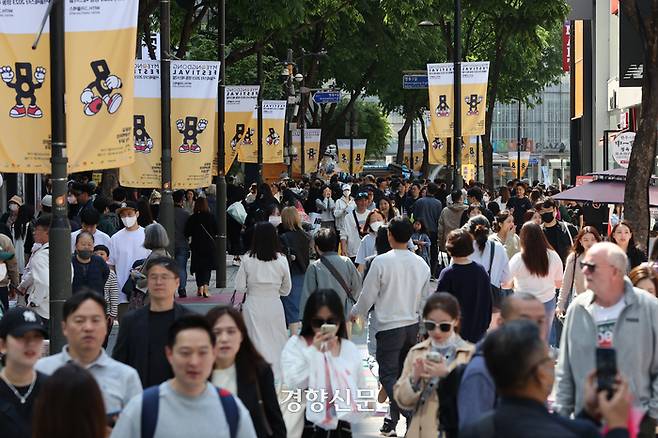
361,195
20,320
127,205
47,201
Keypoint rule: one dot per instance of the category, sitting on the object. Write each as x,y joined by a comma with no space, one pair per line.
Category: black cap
20,320
126,205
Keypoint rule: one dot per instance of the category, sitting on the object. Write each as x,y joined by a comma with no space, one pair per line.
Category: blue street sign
414,82
326,97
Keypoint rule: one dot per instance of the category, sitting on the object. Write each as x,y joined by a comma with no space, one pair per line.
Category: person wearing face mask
89,270
374,220
10,216
430,361
201,228
559,234
126,247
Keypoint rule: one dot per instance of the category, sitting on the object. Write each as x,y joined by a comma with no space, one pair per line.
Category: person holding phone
429,361
322,349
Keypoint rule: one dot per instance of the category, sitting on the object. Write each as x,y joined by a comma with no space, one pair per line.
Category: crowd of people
486,314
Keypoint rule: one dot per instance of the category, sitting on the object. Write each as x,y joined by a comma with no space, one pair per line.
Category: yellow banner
513,160
193,103
358,156
311,151
274,115
418,158
468,172
438,152
470,150
239,104
474,77
146,170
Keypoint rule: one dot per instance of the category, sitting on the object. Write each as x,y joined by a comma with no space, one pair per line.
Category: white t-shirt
350,232
541,287
100,238
126,247
605,319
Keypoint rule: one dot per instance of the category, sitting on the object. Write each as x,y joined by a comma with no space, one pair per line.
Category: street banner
311,150
239,104
418,157
100,48
145,171
622,147
468,172
474,78
513,158
358,156
193,104
274,118
470,150
438,153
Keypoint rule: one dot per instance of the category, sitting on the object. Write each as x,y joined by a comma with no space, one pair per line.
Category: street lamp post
518,140
220,209
259,69
458,182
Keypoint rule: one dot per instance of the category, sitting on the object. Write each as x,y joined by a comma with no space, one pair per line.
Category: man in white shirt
89,219
188,403
126,247
85,328
397,284
352,226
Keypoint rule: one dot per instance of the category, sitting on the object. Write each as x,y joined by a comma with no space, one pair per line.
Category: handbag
498,294
235,304
237,212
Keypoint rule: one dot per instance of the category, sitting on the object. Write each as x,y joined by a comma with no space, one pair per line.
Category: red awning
606,192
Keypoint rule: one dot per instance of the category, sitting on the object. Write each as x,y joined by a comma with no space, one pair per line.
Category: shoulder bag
338,277
498,294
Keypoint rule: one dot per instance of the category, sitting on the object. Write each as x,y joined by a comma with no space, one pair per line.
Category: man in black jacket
559,234
143,332
524,372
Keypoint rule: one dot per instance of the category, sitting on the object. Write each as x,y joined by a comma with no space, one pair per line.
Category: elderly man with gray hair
610,314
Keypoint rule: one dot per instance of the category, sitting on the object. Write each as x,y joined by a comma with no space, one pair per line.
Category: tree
643,154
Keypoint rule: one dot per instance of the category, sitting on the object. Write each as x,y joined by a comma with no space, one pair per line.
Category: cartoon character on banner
437,143
273,138
190,128
311,154
239,132
143,141
24,86
473,101
248,137
443,109
329,163
104,84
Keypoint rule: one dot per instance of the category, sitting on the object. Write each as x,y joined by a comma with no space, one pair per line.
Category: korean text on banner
311,151
193,104
146,171
25,94
100,47
239,104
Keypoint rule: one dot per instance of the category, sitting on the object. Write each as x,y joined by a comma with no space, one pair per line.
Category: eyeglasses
445,327
318,322
591,267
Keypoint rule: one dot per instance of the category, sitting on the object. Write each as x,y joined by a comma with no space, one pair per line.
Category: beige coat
425,421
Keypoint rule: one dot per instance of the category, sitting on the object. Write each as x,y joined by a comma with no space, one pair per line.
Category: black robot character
437,143
143,141
190,128
442,109
239,132
473,101
311,153
343,157
104,85
358,158
24,87
272,138
247,139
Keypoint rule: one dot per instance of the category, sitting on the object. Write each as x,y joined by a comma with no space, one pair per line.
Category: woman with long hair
70,405
374,220
537,269
145,217
573,281
201,227
20,233
505,233
264,276
387,209
622,235
503,197
430,361
322,359
467,281
296,244
241,369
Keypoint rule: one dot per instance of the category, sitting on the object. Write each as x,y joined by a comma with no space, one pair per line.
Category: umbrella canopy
605,192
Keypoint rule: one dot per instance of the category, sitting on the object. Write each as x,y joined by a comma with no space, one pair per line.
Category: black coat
248,393
201,227
132,346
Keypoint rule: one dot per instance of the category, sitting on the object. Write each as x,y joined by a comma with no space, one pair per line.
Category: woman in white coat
264,276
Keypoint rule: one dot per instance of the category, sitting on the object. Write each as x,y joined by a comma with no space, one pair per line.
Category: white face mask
275,220
13,207
3,271
374,226
129,221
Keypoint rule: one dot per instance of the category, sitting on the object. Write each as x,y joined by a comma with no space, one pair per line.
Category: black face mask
547,217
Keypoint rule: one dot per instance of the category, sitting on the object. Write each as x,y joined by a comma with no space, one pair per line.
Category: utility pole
289,108
302,115
220,210
458,182
259,112
59,235
166,214
352,140
411,145
518,141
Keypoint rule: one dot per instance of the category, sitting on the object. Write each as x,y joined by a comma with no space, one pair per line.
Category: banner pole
352,141
518,141
259,67
60,230
220,210
166,214
458,182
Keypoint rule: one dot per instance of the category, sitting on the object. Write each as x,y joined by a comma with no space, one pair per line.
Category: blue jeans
181,255
549,309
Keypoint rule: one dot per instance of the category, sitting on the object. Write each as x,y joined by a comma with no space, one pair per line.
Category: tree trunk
402,135
487,146
426,152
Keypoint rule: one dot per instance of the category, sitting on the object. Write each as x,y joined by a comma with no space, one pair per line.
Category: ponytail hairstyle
480,229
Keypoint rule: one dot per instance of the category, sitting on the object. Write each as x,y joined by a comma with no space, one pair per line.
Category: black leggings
202,277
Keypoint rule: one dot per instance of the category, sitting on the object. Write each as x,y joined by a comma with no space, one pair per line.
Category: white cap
47,201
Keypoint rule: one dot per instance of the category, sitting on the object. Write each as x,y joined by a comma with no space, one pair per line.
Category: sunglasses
318,322
445,327
591,267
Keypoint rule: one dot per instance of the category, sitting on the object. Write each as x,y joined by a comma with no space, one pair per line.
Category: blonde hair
290,218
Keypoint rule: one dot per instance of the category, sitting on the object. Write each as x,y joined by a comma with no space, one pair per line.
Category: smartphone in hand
606,370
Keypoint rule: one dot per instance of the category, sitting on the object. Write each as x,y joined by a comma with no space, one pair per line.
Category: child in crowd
421,240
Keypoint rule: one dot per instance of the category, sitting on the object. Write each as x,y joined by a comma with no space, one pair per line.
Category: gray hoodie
448,221
635,335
